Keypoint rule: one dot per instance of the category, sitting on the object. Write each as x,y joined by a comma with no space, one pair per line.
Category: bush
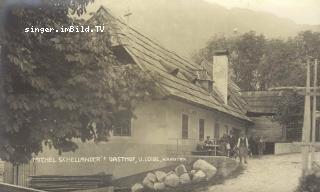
310,182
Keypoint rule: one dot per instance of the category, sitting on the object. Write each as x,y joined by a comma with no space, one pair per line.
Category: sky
300,11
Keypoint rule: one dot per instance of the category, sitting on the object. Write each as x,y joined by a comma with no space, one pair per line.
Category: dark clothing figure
223,145
243,142
207,144
200,145
233,142
261,147
253,146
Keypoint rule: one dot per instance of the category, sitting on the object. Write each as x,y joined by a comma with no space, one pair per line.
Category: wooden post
314,110
306,125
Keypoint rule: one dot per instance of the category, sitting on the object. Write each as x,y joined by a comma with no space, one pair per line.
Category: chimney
220,73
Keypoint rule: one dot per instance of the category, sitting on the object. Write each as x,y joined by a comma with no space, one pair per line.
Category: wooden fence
4,187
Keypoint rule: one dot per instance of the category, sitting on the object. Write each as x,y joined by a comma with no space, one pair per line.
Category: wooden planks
152,56
69,183
4,187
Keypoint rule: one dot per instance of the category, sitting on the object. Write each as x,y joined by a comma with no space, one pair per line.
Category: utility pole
314,110
307,158
306,124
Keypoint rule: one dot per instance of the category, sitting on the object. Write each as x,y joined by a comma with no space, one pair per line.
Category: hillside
185,25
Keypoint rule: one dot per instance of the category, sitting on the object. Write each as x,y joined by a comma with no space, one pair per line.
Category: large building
196,101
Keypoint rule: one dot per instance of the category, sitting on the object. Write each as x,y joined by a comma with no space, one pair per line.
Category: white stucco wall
286,148
177,108
153,133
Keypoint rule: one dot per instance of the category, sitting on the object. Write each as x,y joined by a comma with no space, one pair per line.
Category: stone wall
224,165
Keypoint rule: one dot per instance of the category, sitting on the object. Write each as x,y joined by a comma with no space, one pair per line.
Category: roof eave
246,120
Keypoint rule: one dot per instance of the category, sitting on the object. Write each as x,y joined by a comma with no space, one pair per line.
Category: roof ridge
148,53
148,38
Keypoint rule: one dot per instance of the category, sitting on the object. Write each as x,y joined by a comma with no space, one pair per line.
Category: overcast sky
300,11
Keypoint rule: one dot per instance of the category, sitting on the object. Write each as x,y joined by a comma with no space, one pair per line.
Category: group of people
231,146
257,145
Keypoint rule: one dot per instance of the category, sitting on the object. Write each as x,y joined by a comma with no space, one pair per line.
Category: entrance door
236,132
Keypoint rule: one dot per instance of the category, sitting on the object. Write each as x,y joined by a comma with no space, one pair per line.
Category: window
216,130
185,126
227,129
201,128
122,126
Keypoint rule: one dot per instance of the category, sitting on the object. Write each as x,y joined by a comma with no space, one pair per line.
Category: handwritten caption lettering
112,159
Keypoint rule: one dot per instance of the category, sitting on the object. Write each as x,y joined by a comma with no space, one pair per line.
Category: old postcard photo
159,95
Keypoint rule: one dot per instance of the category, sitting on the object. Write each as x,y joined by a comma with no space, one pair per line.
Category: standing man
243,146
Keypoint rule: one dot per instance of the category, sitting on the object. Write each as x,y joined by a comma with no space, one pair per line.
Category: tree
56,87
246,52
259,63
280,65
249,52
289,113
289,109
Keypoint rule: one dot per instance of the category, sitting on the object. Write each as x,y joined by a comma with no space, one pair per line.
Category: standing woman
243,146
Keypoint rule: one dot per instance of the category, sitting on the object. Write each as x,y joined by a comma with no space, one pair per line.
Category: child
235,153
228,148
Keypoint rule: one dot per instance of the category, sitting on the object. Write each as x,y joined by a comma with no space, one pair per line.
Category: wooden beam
298,90
314,109
291,88
306,125
5,187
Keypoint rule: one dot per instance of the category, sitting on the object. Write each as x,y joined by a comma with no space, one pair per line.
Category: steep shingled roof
151,56
262,102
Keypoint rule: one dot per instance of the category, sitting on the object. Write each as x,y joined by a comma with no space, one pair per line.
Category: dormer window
203,74
171,69
189,76
204,80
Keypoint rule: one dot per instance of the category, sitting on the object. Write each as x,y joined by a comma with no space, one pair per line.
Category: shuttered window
201,128
185,126
122,126
216,130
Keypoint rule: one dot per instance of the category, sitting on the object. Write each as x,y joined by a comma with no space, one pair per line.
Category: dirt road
269,174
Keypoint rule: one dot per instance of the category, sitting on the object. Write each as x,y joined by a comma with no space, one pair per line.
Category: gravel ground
269,174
